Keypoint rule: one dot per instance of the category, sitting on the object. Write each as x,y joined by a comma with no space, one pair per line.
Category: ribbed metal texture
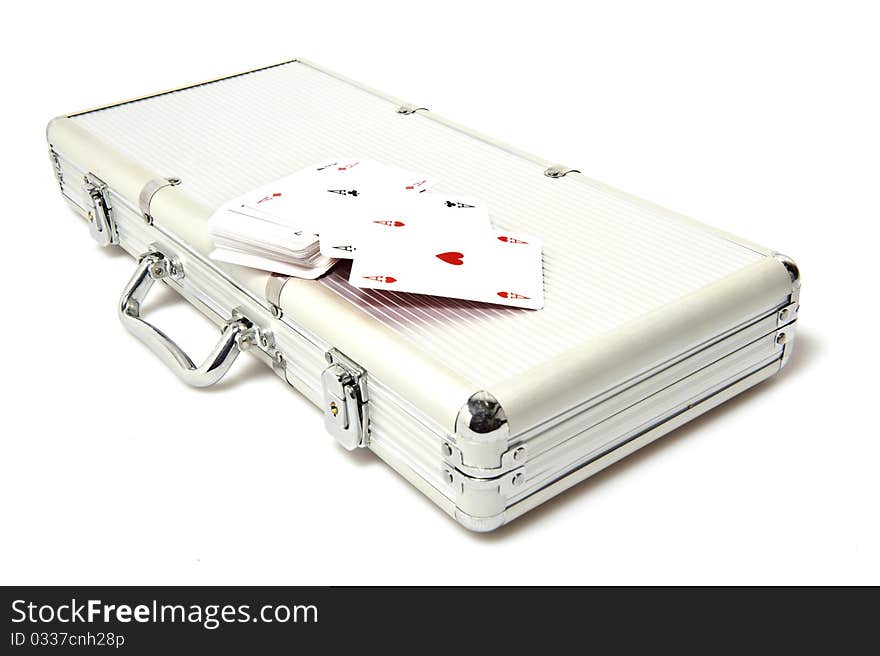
608,259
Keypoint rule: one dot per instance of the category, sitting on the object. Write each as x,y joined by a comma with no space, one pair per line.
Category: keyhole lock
334,409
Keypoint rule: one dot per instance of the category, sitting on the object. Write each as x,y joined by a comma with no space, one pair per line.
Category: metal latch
345,401
101,224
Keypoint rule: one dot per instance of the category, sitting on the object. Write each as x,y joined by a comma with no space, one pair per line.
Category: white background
760,118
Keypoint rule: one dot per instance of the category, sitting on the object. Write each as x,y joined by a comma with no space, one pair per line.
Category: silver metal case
650,320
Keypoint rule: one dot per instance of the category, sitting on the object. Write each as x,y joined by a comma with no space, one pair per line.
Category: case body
650,319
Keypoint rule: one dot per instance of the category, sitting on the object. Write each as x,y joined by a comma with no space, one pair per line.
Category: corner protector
482,419
482,431
793,271
786,355
479,524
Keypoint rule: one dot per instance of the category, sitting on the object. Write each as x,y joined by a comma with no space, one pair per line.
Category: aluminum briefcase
487,410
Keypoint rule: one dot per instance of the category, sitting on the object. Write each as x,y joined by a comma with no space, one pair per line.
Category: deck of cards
400,235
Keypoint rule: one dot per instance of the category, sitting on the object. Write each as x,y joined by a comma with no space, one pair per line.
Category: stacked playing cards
401,236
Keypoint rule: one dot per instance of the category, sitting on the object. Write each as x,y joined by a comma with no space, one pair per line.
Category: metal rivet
783,314
517,480
173,181
276,312
447,449
781,338
519,454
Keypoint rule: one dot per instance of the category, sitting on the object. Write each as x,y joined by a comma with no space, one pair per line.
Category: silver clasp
345,401
101,224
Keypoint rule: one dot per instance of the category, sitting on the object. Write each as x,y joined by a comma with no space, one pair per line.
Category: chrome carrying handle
155,266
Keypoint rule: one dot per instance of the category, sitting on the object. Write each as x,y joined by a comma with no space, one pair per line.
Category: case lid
628,284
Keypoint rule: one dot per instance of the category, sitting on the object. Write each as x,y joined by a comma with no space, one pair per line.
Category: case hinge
148,191
274,287
786,320
511,459
346,413
101,224
787,315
